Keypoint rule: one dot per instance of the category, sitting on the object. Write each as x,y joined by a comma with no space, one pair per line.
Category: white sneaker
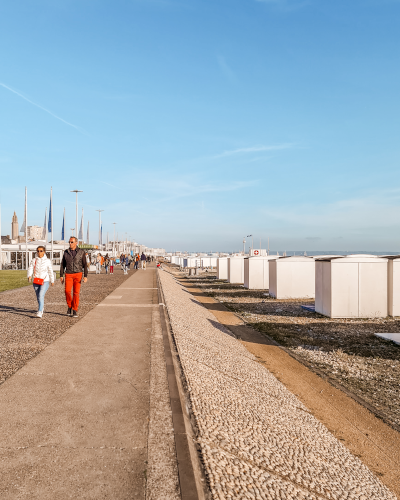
39,314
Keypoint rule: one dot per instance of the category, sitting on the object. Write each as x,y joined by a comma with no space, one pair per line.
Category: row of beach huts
350,286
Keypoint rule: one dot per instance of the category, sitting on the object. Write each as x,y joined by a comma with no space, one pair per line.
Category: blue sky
193,123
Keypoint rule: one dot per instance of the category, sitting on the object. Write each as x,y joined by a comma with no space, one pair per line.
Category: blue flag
50,210
63,229
101,235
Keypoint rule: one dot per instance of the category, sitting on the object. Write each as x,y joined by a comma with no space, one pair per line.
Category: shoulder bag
37,281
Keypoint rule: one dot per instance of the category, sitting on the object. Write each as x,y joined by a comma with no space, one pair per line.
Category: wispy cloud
112,185
226,69
185,189
42,108
255,149
287,5
376,210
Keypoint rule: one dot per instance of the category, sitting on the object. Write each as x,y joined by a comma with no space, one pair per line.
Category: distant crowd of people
124,260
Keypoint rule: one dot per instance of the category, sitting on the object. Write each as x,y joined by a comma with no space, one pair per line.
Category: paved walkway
90,416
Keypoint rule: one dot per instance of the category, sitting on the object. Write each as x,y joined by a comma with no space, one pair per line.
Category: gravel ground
344,349
258,441
23,335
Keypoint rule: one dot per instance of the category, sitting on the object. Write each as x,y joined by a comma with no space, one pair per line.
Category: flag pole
1,250
64,229
26,227
100,235
76,191
51,227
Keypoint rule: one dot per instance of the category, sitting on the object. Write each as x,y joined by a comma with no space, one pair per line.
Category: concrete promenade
90,416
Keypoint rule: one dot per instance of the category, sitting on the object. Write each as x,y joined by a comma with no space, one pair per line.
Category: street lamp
250,235
98,210
114,241
76,191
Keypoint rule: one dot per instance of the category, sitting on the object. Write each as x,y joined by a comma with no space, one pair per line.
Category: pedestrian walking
137,259
98,263
143,260
106,263
127,264
42,271
73,264
112,265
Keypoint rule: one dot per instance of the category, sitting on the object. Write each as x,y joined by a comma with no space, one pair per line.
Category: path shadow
30,313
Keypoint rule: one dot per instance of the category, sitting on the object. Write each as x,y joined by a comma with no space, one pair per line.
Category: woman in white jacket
40,267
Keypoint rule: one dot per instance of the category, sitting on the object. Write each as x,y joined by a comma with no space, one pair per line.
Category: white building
35,233
256,272
292,278
222,268
393,285
354,286
236,269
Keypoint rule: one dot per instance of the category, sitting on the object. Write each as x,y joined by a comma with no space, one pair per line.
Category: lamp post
76,191
251,236
114,253
98,210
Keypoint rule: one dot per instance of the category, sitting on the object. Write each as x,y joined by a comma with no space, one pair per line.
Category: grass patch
14,279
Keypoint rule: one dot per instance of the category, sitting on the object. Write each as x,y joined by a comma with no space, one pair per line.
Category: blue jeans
40,291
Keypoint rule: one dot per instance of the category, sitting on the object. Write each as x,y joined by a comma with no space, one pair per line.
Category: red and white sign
256,252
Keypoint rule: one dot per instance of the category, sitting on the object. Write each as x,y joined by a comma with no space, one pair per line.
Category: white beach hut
354,286
292,278
236,269
256,272
208,261
222,268
393,285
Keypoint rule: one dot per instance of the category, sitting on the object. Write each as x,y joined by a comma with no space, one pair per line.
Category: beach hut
222,268
236,269
292,277
256,272
393,285
354,286
208,261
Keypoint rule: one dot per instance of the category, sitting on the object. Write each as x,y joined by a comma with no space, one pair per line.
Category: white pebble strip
258,441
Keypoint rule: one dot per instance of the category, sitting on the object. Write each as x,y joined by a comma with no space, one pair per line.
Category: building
35,233
14,227
6,240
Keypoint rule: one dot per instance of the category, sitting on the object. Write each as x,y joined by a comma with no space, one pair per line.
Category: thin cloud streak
208,188
112,185
42,108
286,5
255,149
226,70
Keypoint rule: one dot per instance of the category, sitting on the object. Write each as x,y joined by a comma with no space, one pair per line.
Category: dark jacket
143,257
74,265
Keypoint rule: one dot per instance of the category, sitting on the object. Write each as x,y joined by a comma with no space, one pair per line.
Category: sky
194,123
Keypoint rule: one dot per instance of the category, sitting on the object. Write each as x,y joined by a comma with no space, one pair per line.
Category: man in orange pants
74,264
